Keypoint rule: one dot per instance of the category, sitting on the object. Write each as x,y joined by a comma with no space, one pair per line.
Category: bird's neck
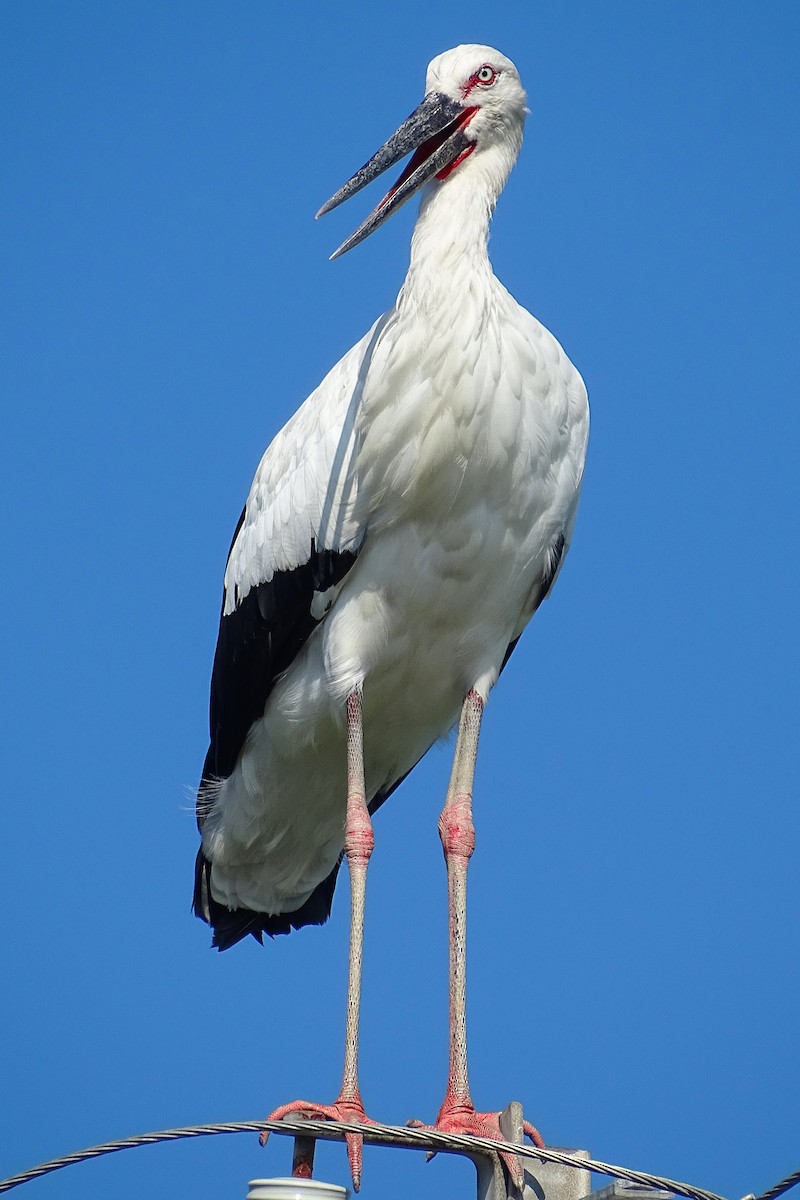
449,249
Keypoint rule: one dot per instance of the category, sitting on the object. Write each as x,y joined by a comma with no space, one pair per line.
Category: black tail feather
232,925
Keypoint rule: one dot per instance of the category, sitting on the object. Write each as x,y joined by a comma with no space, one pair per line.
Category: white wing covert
296,541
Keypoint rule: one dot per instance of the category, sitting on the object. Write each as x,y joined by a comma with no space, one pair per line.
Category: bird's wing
295,542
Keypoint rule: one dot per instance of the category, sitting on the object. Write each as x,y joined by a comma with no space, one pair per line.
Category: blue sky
633,953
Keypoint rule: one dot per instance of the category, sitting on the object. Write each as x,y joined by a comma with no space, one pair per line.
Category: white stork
400,532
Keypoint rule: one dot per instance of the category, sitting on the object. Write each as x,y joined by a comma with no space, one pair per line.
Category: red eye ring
485,76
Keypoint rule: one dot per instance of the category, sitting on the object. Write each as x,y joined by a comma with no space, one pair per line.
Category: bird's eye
486,75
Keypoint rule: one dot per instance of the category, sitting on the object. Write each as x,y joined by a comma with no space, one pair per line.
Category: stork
399,534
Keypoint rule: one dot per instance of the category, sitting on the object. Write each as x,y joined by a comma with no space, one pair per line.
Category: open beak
436,133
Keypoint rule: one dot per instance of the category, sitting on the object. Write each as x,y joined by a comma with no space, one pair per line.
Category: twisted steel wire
383,1135
386,1135
779,1188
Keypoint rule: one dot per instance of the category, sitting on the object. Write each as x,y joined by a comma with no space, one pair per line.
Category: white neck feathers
449,248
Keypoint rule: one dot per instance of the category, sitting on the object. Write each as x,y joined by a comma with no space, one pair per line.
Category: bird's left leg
358,844
456,829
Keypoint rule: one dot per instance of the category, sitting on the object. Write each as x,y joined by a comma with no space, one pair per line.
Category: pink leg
358,845
456,829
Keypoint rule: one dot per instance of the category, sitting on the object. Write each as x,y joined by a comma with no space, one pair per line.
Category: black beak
436,133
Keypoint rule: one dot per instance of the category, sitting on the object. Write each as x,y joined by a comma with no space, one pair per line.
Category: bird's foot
347,1108
456,1116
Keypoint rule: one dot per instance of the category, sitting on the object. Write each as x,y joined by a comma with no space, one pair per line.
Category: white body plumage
446,452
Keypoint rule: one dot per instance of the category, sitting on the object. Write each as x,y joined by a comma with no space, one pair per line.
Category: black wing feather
256,643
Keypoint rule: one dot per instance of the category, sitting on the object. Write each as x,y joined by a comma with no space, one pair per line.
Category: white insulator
295,1189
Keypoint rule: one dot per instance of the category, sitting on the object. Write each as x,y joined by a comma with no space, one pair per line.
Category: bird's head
473,111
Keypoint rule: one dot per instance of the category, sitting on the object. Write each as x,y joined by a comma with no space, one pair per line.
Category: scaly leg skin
358,845
457,1114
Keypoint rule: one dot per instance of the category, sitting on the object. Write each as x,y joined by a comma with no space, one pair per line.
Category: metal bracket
542,1181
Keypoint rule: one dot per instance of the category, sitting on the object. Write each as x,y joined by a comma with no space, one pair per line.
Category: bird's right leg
358,845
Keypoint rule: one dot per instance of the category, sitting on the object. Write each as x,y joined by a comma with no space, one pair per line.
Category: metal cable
382,1135
789,1182
129,1143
